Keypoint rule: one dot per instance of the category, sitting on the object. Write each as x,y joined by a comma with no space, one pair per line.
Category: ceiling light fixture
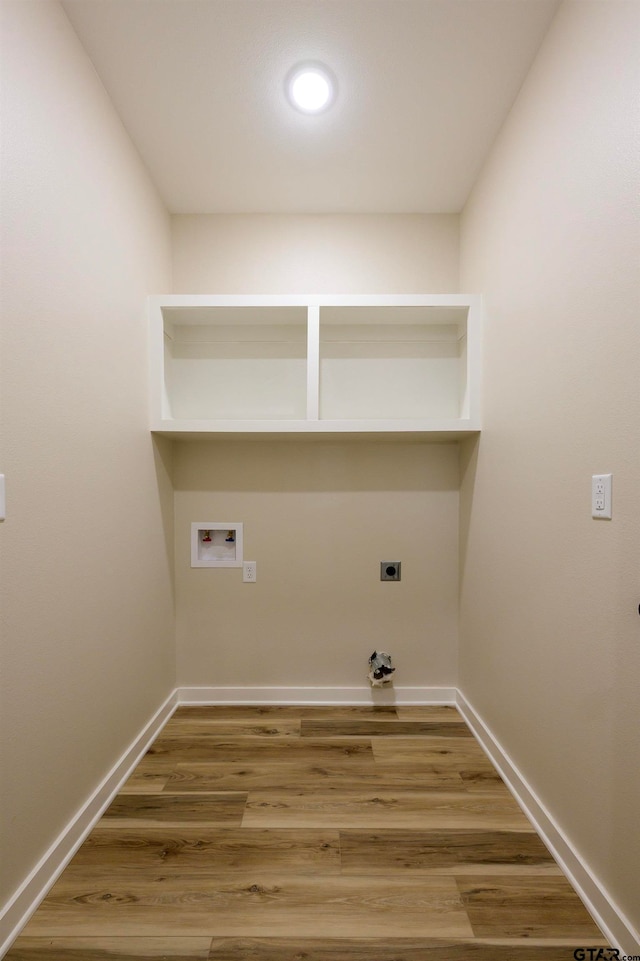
311,87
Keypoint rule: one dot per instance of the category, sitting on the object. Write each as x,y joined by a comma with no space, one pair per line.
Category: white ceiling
424,87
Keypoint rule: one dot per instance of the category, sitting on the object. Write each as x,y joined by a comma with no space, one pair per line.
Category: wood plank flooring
311,834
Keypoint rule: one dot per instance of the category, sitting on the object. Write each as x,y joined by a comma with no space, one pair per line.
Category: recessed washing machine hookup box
216,544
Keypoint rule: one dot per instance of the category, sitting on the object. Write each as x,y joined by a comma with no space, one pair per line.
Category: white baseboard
387,695
615,926
24,902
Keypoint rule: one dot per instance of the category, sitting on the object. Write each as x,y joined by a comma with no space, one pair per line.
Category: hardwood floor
311,834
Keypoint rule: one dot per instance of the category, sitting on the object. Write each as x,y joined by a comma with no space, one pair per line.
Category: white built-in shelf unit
315,365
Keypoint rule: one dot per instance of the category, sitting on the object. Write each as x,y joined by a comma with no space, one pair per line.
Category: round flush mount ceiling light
311,87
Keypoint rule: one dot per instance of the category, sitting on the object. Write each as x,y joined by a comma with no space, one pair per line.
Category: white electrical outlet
601,496
249,572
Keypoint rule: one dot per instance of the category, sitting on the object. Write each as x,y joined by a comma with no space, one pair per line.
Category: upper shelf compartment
315,364
235,363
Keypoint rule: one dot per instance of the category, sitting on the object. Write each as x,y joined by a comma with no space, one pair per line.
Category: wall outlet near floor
249,572
601,496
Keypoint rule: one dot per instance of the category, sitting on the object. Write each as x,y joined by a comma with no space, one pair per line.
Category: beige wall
87,632
336,254
319,517
550,634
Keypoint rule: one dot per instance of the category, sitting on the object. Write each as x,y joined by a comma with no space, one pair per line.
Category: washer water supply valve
380,669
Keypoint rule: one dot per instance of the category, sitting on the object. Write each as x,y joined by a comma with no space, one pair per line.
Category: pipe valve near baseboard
380,669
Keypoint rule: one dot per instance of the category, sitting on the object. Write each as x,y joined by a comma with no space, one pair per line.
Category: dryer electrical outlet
390,570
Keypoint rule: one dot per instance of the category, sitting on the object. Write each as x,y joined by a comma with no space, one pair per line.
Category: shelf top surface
164,301
234,316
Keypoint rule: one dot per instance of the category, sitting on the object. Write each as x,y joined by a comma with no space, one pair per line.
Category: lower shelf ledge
423,430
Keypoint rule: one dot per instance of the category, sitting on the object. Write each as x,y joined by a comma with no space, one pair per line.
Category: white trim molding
21,906
613,923
365,695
